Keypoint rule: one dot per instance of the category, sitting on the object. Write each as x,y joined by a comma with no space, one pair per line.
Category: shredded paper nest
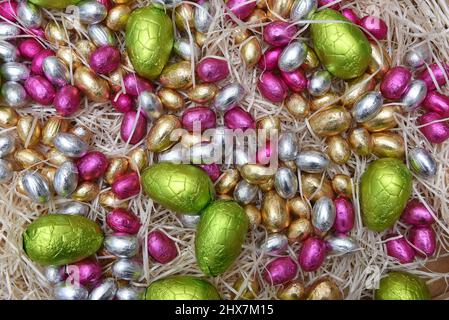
410,22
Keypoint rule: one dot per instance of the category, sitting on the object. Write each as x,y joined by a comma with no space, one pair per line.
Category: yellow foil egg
138,159
330,122
28,158
254,215
251,52
268,125
324,289
247,289
184,17
203,92
384,120
86,191
8,117
56,157
94,87
338,149
380,61
171,99
313,186
52,127
388,145
116,168
109,200
357,88
275,214
297,106
325,101
160,136
299,230
117,17
257,174
177,75
69,57
299,208
56,34
279,8
294,290
342,185
29,130
360,141
227,181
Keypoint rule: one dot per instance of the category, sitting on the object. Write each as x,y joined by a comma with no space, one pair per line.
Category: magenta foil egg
198,118
105,59
134,84
212,170
212,69
436,102
344,215
395,83
416,213
134,127
122,220
160,247
279,33
272,87
8,10
295,80
40,90
280,270
264,153
424,240
312,254
439,73
335,6
123,102
241,8
400,249
92,165
38,60
350,15
29,48
87,272
374,26
126,186
435,132
269,60
237,118
67,100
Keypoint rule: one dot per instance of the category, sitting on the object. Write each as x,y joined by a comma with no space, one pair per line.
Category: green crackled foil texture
384,190
57,239
341,47
149,40
179,187
402,286
54,4
220,235
181,288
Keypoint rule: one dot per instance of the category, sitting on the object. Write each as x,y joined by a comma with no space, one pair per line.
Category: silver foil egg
286,183
105,290
70,145
63,291
8,51
275,243
176,154
319,83
7,144
418,56
293,56
73,208
54,274
185,49
36,187
414,95
228,97
150,104
5,171
8,30
14,71
127,269
342,244
287,146
312,161
202,17
129,292
323,214
100,35
422,162
368,106
14,94
122,245
29,15
188,220
56,71
245,192
91,12
302,9
66,179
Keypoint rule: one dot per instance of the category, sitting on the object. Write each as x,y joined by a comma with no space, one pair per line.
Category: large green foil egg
179,187
402,286
149,40
220,235
181,288
341,47
57,239
54,4
384,190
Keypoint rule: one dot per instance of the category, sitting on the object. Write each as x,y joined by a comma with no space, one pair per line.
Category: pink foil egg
424,240
38,32
436,102
374,26
212,69
126,186
344,215
67,100
134,84
92,165
312,254
123,102
241,8
40,90
401,250
134,127
161,248
237,118
198,118
295,80
269,60
87,272
8,10
212,170
416,213
280,270
350,15
335,5
104,59
29,48
279,33
38,60
264,153
272,87
395,83
122,220
439,73
435,132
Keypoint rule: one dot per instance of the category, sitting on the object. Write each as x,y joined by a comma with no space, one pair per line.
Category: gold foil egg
251,52
116,79
110,201
56,157
8,117
138,159
177,75
246,289
299,208
28,158
268,125
55,33
324,289
313,186
82,132
279,8
294,290
357,88
360,141
338,149
86,191
388,145
275,214
384,120
184,17
52,127
299,230
342,185
227,181
325,101
240,34
297,105
29,130
69,57
159,137
257,174
380,61
311,62
171,99
118,17
254,215
330,122
85,48
94,87
200,38
203,92
116,168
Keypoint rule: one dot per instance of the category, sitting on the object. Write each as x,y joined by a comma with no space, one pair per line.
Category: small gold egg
324,289
268,125
388,145
116,168
82,132
94,87
116,79
29,130
290,164
275,214
360,141
160,136
299,207
177,75
109,201
69,57
251,52
28,158
256,174
184,17
189,139
240,34
338,149
56,157
330,122
138,159
224,197
297,105
384,120
314,187
49,174
380,61
171,99
248,288
342,185
311,62
200,38
294,290
8,117
20,188
299,230
254,215
56,34
257,17
227,181
52,127
267,186
202,92
84,49
325,101
279,8
117,17
86,191
356,88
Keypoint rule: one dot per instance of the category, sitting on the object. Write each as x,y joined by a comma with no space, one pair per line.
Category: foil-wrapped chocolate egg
312,254
54,274
5,171
414,95
324,289
66,179
303,9
245,193
129,292
323,214
91,12
287,146
127,269
312,161
202,16
181,288
367,107
400,249
54,4
422,162
14,94
14,71
417,214
36,187
292,56
188,220
275,213
8,52
161,137
29,15
330,121
418,56
8,30
161,247
100,35
73,207
341,244
402,286
229,96
7,144
319,83
275,243
280,270
286,183
63,291
70,144
122,245
104,290
186,50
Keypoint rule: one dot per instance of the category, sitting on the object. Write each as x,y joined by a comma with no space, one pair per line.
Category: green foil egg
57,239
220,235
181,288
54,4
341,47
384,190
179,187
149,40
402,286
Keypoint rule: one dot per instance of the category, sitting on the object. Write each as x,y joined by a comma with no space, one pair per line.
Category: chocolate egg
402,286
181,288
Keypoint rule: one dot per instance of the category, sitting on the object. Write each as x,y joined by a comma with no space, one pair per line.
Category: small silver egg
91,12
286,183
63,291
414,95
36,187
293,56
202,17
7,144
66,179
228,97
189,220
176,154
275,243
100,35
29,15
368,106
127,269
245,192
150,104
342,244
122,245
240,157
73,208
56,71
422,162
418,56
323,214
130,292
54,274
312,161
203,153
8,52
319,83
70,145
302,9
185,49
14,94
105,290
14,71
287,146
5,171
8,30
